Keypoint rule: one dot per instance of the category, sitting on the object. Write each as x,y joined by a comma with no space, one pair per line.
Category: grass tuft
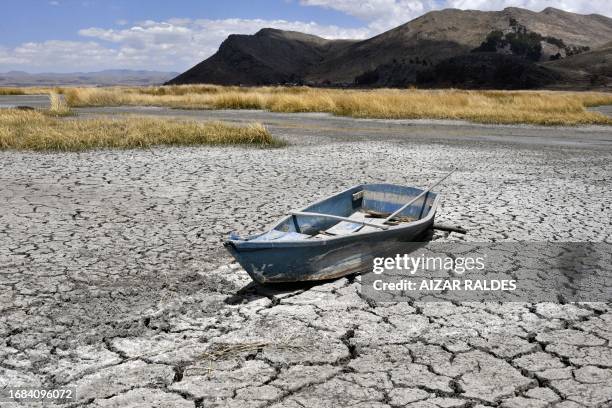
34,130
58,106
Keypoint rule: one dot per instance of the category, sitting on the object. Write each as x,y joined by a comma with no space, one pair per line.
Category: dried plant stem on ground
225,351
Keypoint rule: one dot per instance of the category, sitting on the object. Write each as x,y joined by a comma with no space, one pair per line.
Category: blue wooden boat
337,236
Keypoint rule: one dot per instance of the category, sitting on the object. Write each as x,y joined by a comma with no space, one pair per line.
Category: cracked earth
114,280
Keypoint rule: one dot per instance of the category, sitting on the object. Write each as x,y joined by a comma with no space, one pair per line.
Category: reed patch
495,107
36,130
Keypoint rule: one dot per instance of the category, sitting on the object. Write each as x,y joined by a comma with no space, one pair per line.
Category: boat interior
361,209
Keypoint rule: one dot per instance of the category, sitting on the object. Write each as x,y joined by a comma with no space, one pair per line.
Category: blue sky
39,20
89,35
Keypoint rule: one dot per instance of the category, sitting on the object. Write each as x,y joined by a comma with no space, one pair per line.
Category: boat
339,235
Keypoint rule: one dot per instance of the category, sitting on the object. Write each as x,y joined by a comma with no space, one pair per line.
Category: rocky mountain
414,52
270,56
100,78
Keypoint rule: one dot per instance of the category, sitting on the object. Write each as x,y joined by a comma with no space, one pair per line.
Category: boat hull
329,259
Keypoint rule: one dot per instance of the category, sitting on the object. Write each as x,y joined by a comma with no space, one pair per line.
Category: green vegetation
524,43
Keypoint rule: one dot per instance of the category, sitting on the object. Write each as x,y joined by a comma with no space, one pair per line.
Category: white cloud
175,44
54,3
73,54
208,33
382,15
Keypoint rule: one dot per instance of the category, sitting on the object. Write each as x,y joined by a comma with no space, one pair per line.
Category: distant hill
101,78
401,56
593,67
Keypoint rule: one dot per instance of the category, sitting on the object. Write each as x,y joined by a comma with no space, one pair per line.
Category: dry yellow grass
505,107
532,107
58,106
33,130
30,90
12,91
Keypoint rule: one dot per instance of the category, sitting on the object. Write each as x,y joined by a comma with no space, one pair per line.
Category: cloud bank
172,45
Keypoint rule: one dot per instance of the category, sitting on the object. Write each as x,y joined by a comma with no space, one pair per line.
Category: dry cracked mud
114,281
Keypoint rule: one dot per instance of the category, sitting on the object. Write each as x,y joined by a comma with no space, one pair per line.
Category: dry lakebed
113,279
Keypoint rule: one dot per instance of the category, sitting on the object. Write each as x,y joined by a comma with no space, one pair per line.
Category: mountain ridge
105,77
273,56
